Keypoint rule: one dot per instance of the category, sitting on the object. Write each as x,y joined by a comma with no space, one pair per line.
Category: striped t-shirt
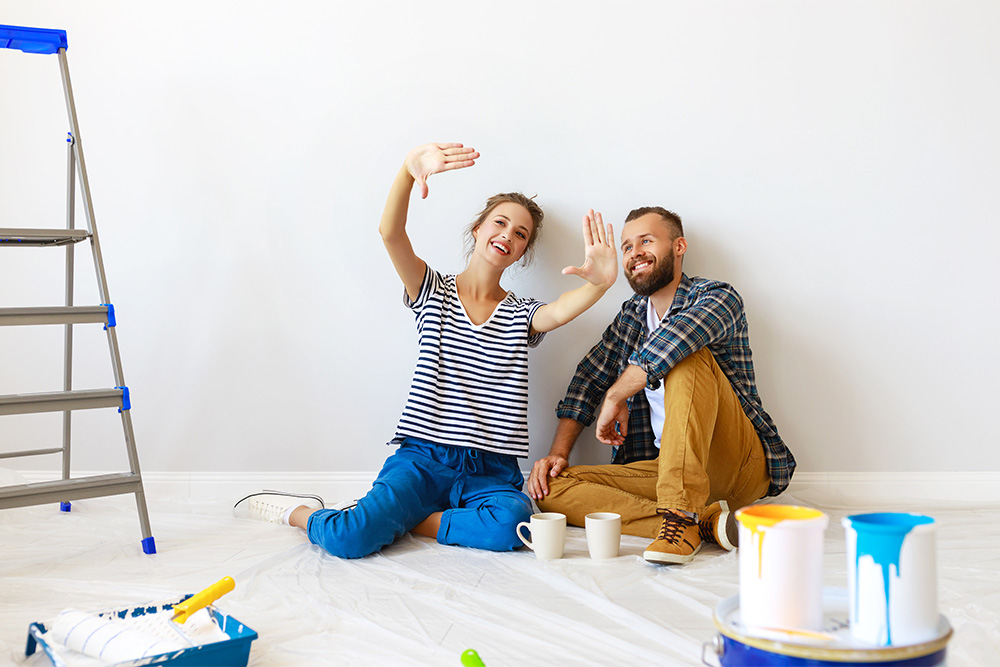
470,387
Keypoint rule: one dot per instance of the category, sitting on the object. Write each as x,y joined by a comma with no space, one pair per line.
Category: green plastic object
471,659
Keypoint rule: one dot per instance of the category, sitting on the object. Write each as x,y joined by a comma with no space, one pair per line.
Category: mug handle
518,531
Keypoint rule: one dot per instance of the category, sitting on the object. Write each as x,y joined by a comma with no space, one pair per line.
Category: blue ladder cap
126,400
32,40
148,546
111,316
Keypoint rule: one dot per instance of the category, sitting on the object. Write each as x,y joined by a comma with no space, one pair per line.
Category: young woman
455,475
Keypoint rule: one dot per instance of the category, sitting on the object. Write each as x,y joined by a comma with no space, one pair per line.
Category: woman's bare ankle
300,517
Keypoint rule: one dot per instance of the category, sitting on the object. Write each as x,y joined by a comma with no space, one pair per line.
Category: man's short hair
672,219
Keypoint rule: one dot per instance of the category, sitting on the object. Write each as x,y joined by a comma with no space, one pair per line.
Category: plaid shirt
704,313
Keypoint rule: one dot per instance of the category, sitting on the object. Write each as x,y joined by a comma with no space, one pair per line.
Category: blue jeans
478,492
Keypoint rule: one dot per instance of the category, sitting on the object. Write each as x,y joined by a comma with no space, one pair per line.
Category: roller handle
183,610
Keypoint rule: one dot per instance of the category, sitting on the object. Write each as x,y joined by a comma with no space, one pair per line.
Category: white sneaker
271,506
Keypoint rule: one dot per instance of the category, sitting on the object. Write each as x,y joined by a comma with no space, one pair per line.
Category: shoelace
266,510
706,532
673,527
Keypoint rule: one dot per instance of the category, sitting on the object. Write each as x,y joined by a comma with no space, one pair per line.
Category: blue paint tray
232,652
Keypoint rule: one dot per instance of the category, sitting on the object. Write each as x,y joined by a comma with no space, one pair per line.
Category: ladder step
22,495
58,401
31,452
42,237
32,40
54,315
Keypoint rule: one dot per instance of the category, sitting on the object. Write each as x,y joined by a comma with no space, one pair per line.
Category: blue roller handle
32,40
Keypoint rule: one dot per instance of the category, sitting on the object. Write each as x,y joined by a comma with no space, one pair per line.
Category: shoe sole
245,514
282,493
669,559
727,532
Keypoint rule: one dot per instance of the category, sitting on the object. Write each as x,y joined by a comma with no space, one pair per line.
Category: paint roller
119,639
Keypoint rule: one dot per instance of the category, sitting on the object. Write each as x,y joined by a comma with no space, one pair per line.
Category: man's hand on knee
538,480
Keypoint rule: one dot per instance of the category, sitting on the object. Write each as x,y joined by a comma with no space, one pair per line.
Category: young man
680,407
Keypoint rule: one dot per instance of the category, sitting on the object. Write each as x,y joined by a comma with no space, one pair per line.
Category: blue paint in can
881,536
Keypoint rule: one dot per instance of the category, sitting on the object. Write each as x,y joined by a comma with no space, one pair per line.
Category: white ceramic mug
548,534
604,532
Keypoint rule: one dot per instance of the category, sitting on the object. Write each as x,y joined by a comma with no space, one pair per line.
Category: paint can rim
787,516
874,654
892,521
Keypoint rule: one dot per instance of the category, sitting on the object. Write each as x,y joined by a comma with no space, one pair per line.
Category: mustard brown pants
709,451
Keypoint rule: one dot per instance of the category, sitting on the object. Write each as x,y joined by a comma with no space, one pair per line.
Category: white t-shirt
657,414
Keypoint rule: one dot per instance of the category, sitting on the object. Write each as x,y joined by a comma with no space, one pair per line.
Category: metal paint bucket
781,566
738,646
891,577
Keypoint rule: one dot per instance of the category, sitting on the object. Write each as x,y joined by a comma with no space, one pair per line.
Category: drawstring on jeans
470,464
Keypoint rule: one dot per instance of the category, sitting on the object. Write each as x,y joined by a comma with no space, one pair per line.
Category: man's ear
680,246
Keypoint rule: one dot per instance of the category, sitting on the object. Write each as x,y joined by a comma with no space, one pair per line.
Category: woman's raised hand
429,159
600,265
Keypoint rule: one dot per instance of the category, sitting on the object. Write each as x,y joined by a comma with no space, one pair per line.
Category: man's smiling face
647,254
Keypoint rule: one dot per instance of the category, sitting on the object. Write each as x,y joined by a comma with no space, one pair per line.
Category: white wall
836,161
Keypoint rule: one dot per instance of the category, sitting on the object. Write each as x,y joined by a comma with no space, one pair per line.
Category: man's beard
654,280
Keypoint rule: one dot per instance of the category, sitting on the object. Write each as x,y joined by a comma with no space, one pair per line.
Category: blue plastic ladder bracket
65,507
126,400
32,40
148,546
111,316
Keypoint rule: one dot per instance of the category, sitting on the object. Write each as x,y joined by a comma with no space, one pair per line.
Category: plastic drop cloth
420,603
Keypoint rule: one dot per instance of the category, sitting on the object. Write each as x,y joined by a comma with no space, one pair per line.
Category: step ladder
45,41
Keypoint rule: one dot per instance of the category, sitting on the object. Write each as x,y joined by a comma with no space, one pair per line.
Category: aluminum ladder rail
45,41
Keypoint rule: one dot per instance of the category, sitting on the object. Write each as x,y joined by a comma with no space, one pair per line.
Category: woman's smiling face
503,236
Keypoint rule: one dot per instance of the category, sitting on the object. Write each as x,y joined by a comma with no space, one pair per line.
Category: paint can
832,645
781,567
891,577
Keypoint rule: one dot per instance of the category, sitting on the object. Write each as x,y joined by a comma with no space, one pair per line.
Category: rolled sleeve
595,373
714,316
430,284
534,340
